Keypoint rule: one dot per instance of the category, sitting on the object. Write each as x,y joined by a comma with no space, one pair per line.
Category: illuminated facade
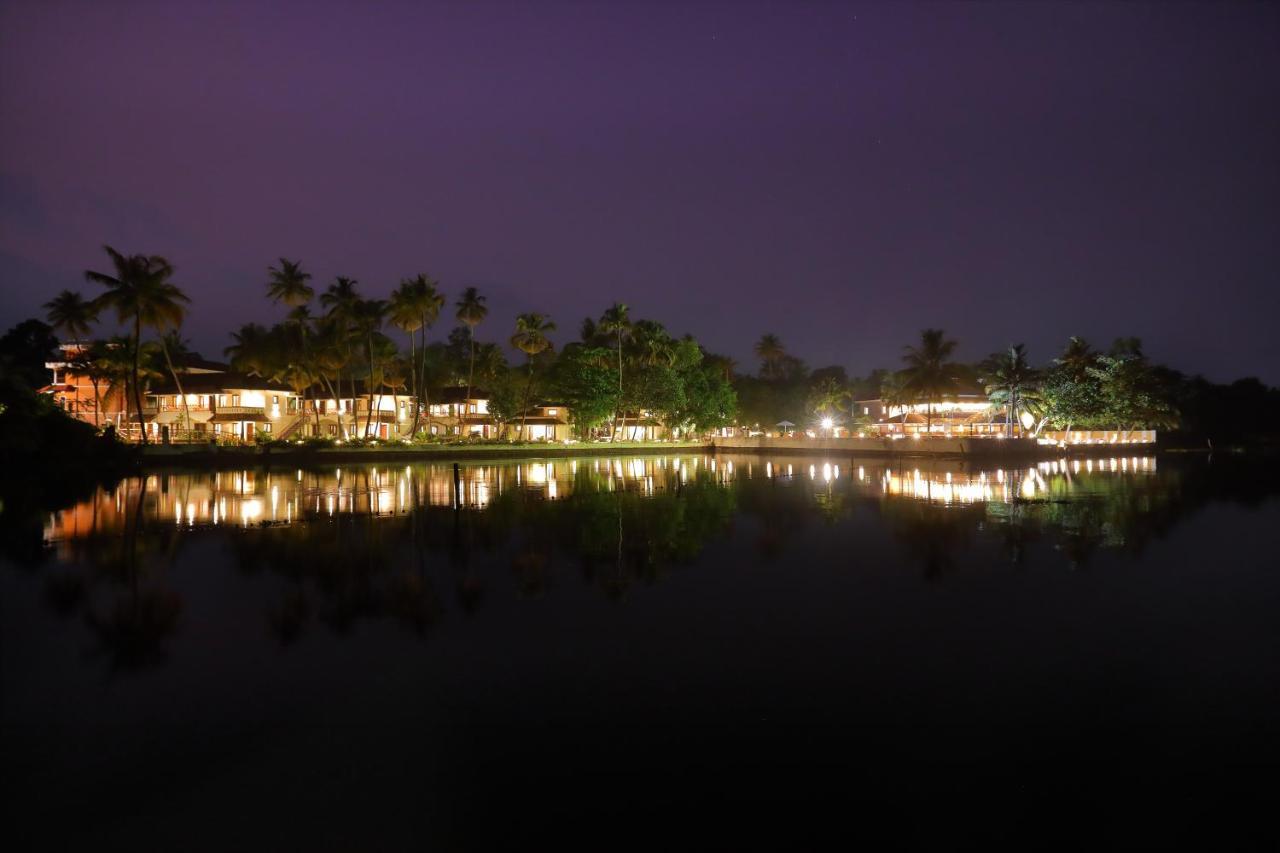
966,414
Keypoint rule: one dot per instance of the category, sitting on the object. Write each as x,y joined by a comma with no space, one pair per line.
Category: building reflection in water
250,498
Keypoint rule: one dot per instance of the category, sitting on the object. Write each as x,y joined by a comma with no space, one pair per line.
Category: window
275,399
266,427
333,429
552,412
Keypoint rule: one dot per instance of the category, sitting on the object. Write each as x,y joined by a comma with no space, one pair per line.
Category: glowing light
828,423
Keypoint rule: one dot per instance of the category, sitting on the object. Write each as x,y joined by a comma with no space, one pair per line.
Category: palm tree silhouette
340,300
771,353
415,306
140,292
69,313
288,284
616,322
1011,382
531,339
471,311
929,373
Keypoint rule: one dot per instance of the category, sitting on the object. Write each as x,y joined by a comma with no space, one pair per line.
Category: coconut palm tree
331,350
1077,357
340,301
616,322
531,339
930,373
771,353
173,346
1011,382
471,311
141,293
69,313
94,361
288,284
415,306
251,351
367,319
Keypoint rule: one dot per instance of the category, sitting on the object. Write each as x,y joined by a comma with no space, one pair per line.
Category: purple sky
842,175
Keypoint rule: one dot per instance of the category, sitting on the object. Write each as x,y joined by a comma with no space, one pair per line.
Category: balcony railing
240,410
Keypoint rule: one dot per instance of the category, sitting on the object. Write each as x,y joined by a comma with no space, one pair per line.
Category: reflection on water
355,542
577,615
252,498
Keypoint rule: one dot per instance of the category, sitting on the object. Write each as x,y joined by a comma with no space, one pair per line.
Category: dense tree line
1080,388
338,343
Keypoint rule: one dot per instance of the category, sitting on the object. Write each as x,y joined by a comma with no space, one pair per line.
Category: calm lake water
648,651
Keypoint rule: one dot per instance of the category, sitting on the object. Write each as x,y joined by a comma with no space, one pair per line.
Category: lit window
552,412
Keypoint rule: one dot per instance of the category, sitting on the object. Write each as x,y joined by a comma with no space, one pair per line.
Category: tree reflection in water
337,547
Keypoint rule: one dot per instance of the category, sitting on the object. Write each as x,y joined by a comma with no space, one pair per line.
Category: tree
25,349
531,339
583,379
69,313
288,284
415,306
1011,382
771,353
1072,396
94,363
616,322
930,373
1132,396
366,324
340,300
173,346
471,312
251,351
140,292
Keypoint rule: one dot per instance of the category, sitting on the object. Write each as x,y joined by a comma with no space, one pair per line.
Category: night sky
842,175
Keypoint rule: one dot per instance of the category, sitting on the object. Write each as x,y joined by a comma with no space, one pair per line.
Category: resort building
218,404
228,407
966,413
452,412
388,414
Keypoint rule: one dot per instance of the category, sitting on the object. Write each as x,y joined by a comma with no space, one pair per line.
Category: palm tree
330,347
288,284
929,373
140,292
173,346
367,321
771,352
68,312
531,339
1077,357
615,321
415,306
251,351
471,311
1010,381
340,300
94,362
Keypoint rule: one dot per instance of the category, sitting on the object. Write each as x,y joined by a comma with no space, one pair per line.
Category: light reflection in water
252,498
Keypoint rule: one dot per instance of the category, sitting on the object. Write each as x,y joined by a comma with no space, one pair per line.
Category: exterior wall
875,446
1101,436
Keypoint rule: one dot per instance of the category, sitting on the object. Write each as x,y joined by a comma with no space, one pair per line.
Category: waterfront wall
971,447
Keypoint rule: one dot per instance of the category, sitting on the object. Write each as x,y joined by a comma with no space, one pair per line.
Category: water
647,651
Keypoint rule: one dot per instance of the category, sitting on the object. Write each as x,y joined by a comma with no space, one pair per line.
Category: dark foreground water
668,652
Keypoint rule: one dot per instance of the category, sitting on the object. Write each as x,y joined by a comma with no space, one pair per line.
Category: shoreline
160,457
